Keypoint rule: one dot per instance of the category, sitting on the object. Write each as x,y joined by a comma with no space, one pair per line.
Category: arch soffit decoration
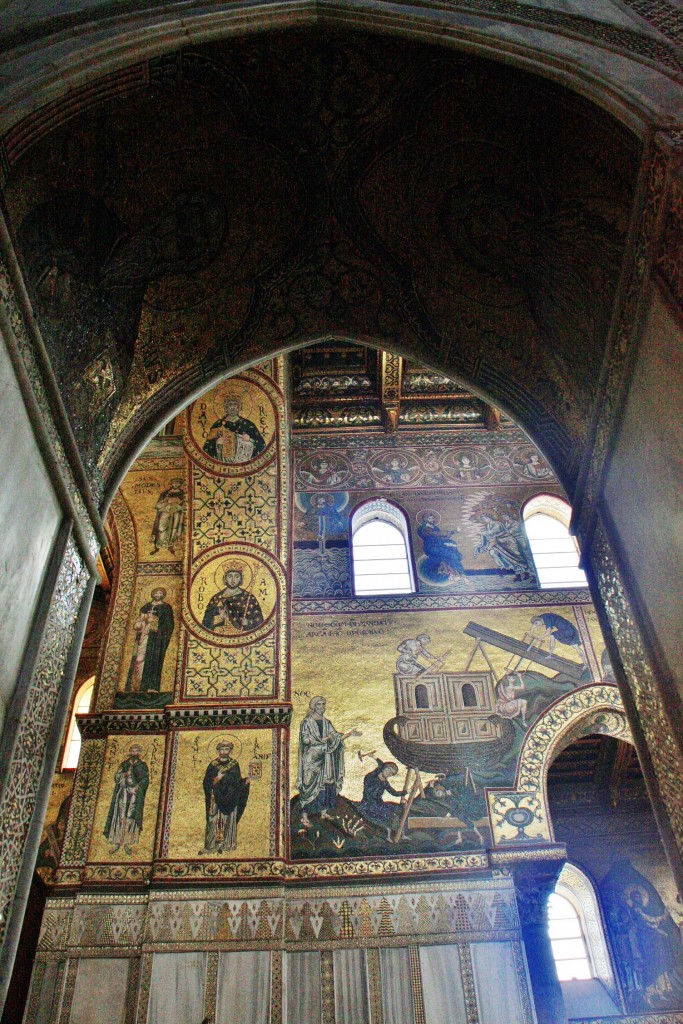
424,337
50,58
596,708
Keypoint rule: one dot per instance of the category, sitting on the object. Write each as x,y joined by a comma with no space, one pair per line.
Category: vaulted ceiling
246,197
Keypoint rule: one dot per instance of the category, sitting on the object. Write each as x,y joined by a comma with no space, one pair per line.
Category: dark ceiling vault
248,197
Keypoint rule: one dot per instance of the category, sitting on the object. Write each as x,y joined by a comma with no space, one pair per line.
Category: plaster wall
644,490
29,519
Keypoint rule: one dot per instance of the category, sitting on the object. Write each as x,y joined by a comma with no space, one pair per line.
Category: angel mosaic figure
502,539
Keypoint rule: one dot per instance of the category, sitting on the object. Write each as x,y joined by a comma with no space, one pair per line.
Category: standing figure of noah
320,774
226,794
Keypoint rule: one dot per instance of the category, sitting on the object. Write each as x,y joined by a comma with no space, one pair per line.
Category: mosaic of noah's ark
338,729
404,721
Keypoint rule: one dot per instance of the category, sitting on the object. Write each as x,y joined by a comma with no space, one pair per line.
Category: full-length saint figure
124,821
169,521
233,438
320,774
226,794
153,629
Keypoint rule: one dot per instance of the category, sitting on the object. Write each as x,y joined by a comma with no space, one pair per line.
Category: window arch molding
368,560
556,554
82,703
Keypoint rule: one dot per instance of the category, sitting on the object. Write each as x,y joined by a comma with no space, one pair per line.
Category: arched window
556,553
380,543
82,702
421,696
469,696
578,942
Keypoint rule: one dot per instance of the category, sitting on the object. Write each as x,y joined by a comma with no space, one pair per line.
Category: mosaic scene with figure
340,350
259,715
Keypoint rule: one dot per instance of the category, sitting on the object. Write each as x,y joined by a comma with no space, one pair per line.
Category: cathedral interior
342,533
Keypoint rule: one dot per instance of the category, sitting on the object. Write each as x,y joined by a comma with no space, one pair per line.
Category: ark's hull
448,758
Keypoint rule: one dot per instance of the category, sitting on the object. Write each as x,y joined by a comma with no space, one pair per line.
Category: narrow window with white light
380,544
567,940
82,702
555,552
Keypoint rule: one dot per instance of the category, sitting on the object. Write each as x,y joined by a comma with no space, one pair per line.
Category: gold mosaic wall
197,624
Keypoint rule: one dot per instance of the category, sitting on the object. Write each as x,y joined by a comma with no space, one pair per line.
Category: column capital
534,882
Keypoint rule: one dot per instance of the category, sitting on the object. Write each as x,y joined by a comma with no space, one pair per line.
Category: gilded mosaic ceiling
253,196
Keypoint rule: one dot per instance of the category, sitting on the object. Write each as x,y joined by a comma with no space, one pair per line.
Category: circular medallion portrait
466,467
530,465
232,595
327,471
233,426
394,469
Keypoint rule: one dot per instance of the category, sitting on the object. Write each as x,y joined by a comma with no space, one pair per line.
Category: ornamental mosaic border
521,814
132,988
647,48
468,983
540,742
641,677
662,16
107,723
459,912
35,991
12,309
416,985
69,989
625,337
669,264
508,435
108,681
373,972
211,985
276,986
169,870
438,602
116,874
144,988
81,812
327,985
286,889
18,799
523,981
